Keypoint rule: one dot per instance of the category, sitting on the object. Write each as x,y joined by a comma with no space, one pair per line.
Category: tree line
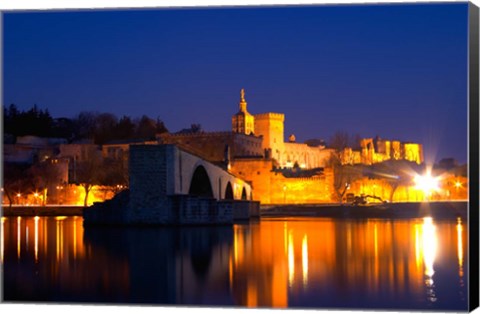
43,176
100,127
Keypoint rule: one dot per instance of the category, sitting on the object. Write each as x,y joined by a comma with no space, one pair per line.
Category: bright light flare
427,183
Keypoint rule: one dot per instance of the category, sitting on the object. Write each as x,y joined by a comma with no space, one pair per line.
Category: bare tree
339,141
343,175
45,175
90,171
15,178
395,172
115,176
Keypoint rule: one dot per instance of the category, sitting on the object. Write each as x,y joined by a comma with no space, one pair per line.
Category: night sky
397,71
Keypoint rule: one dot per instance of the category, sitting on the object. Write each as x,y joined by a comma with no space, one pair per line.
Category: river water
288,262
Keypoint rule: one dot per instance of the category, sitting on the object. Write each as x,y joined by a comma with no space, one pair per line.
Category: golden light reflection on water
291,260
19,237
460,246
33,232
272,263
430,243
305,260
36,218
429,240
396,258
2,243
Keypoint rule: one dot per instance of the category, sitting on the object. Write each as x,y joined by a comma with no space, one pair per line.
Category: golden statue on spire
242,95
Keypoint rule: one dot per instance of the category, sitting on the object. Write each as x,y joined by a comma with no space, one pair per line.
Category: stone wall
305,156
270,187
211,145
258,172
300,190
187,210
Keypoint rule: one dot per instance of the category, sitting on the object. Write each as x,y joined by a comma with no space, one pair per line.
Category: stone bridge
171,186
169,170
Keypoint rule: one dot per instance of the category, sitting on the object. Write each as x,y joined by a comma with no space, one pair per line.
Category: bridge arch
200,183
229,191
244,193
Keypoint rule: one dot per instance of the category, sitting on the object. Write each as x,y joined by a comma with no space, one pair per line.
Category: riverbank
438,210
50,210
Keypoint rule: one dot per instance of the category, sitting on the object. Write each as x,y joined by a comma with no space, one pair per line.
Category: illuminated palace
252,136
281,171
255,151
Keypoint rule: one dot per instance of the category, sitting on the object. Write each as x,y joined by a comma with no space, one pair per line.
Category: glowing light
291,260
458,184
305,259
18,194
426,183
60,217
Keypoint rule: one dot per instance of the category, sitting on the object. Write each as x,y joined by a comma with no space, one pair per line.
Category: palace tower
243,121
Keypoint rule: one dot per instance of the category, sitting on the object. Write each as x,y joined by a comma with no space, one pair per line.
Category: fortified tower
270,126
243,121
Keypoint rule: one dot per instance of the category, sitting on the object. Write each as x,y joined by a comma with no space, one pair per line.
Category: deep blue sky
397,71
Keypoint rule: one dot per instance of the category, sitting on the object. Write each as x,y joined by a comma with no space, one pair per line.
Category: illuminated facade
378,150
270,127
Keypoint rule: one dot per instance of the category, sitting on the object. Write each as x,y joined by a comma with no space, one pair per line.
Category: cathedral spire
243,102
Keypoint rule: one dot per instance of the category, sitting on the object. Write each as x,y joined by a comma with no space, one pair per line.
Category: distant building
378,150
29,149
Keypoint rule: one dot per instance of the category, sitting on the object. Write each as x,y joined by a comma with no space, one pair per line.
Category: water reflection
305,260
429,251
2,244
36,218
460,247
404,264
